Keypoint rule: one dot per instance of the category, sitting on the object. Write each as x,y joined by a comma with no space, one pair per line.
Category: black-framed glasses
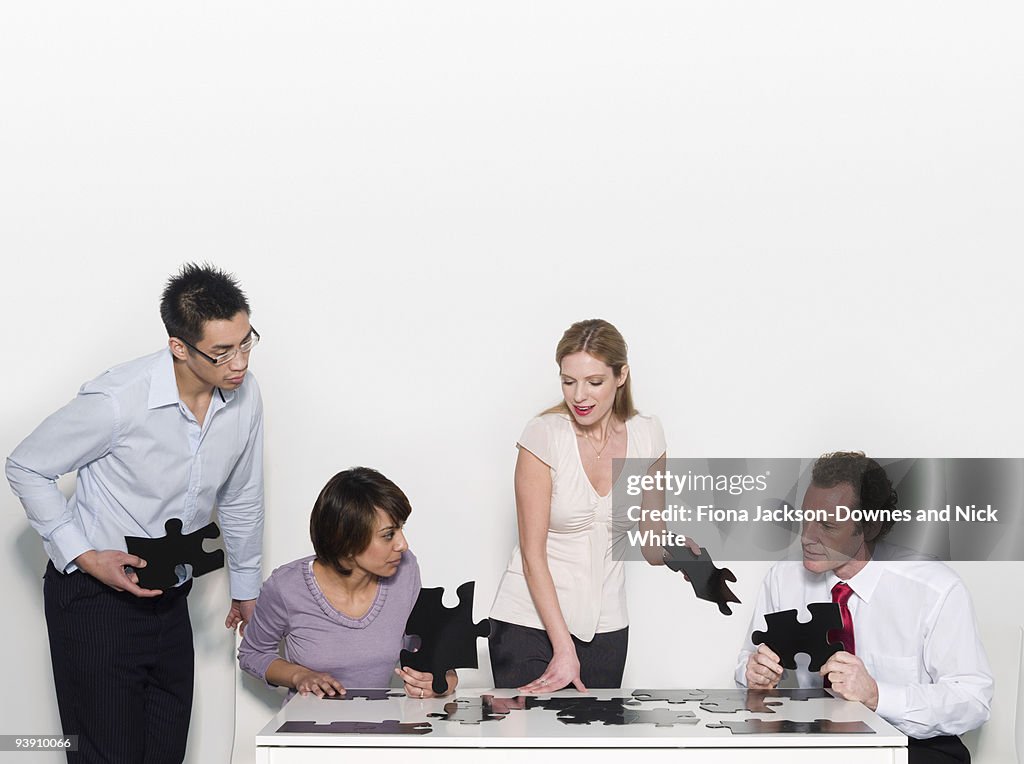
247,344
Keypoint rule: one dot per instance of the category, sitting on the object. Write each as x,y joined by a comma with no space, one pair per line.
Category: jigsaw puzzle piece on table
613,711
620,711
709,582
787,636
785,726
470,711
732,701
504,705
527,702
386,727
163,554
447,635
662,717
757,702
374,694
804,693
670,696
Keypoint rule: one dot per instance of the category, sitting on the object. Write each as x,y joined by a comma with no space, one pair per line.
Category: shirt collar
863,582
163,386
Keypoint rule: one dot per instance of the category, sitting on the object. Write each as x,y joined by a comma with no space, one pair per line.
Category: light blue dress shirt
142,459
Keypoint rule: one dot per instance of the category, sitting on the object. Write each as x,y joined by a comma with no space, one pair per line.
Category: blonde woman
560,617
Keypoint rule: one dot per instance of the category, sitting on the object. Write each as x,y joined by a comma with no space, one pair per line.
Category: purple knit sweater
357,652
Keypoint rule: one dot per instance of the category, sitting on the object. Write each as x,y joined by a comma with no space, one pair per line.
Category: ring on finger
421,693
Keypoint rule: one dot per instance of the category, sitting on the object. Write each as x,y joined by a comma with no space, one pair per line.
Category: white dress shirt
142,459
915,630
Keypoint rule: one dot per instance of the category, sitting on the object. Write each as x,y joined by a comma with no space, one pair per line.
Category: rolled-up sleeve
80,432
240,510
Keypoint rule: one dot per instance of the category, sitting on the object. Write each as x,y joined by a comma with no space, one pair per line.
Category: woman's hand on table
563,669
319,683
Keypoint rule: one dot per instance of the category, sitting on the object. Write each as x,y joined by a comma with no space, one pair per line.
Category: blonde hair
598,338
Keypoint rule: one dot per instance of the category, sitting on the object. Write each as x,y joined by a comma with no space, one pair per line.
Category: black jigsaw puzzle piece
525,703
386,727
163,554
787,636
670,696
663,717
804,693
787,727
613,711
709,582
620,711
469,713
732,701
757,702
558,705
447,635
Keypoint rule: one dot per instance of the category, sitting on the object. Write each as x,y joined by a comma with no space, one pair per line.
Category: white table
504,741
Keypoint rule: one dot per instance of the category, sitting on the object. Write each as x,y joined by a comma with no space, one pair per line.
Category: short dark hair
197,294
871,485
344,516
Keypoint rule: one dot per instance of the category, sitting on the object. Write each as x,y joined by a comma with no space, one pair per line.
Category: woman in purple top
342,612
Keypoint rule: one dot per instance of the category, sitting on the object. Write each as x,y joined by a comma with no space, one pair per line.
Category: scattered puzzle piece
662,717
784,726
615,711
526,702
469,713
805,693
351,694
787,636
755,702
669,696
621,711
163,554
732,701
504,705
386,727
709,582
447,635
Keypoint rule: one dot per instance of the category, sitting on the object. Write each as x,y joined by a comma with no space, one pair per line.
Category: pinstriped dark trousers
122,667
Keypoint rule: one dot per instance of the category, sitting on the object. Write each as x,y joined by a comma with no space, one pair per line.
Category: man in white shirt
912,654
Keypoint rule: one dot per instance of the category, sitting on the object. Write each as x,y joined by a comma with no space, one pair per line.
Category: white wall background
804,217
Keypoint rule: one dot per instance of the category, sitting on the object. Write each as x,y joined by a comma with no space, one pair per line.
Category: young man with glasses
170,435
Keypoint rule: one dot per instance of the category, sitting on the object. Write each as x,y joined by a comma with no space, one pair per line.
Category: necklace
607,440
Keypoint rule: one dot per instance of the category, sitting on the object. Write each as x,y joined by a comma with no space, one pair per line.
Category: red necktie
841,594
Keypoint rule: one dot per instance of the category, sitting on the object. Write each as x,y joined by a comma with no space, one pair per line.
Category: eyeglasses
247,344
